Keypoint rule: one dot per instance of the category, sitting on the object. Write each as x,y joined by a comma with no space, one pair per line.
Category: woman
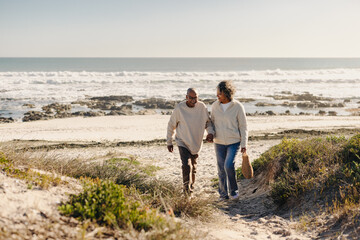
229,120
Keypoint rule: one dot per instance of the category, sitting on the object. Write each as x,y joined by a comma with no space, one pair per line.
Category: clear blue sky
179,28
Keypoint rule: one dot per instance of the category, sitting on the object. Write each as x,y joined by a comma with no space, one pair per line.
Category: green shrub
272,155
133,164
158,194
351,150
275,153
3,159
324,172
350,189
296,166
107,203
131,161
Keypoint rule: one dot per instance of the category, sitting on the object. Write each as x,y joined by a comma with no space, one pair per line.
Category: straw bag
246,167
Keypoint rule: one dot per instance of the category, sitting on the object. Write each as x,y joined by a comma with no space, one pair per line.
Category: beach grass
320,171
111,204
297,166
30,176
120,193
318,178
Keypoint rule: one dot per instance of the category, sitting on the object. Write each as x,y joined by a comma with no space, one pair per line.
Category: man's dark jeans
188,168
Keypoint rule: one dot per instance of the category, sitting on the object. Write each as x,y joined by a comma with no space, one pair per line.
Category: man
190,118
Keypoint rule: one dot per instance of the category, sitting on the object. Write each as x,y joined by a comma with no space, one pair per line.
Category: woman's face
221,97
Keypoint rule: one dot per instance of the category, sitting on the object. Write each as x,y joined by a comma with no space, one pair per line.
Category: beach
150,127
93,110
143,138
87,90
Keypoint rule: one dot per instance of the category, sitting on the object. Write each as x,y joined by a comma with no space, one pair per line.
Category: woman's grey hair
227,88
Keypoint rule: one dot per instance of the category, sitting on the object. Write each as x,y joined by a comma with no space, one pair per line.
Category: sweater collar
231,102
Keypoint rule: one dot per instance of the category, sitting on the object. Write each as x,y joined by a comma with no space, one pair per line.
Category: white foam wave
65,86
268,74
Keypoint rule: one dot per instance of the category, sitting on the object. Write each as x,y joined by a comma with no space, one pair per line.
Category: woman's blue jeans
225,155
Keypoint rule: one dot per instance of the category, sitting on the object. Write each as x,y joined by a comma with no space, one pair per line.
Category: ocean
42,81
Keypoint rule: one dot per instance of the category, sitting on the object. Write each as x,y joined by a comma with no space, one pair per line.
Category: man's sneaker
236,196
223,198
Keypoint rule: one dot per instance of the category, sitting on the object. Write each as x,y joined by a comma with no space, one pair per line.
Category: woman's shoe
236,196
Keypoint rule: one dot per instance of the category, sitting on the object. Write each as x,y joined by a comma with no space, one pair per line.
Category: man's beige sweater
230,126
190,124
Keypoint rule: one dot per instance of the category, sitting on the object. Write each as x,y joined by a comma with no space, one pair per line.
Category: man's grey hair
191,90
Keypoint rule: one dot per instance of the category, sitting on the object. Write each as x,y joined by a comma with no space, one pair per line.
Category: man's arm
209,128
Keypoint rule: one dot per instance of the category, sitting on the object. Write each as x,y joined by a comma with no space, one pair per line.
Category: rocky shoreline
126,105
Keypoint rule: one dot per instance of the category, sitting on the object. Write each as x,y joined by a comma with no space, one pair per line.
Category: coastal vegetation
118,193
314,182
314,178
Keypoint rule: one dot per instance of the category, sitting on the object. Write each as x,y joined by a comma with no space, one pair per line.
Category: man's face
191,99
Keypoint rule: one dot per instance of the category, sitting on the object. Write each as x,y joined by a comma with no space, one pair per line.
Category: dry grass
147,191
322,172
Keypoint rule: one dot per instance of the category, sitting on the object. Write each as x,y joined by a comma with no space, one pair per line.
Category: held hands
210,138
170,148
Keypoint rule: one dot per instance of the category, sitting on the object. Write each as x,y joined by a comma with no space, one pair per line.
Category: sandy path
230,223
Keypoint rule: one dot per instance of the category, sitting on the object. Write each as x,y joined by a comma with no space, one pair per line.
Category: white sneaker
236,196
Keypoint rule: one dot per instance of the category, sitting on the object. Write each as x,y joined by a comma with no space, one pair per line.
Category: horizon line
193,57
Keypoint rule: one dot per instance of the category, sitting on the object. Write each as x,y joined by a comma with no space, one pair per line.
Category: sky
179,28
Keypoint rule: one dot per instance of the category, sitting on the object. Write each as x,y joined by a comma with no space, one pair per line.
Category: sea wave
270,74
67,86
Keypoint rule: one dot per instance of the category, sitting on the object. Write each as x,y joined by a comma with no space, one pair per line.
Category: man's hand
210,138
243,150
170,148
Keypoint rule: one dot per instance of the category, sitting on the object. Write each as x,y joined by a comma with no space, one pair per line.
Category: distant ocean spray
41,81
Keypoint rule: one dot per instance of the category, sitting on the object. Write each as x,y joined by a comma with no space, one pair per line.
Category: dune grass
323,170
295,167
119,193
111,204
31,177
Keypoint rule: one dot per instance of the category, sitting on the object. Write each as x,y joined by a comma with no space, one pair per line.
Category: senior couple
227,129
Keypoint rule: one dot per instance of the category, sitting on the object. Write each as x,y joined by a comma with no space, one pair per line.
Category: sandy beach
150,127
233,221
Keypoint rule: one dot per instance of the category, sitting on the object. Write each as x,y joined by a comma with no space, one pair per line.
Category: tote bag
246,167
